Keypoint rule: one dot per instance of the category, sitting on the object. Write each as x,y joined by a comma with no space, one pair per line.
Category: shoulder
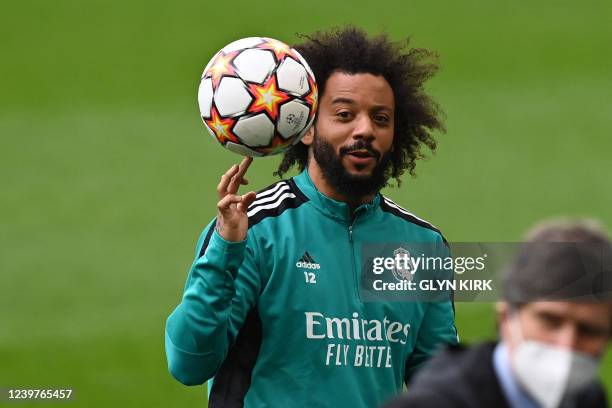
454,360
421,399
457,377
593,396
274,200
270,202
392,208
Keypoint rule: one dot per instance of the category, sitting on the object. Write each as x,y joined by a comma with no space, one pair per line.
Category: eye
592,331
550,321
344,115
382,119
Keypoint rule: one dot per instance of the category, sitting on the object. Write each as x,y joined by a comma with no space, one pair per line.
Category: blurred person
272,307
555,322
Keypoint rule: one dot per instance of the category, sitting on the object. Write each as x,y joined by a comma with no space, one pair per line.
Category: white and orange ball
258,96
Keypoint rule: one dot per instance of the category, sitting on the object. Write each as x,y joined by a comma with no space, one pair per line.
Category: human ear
502,313
308,138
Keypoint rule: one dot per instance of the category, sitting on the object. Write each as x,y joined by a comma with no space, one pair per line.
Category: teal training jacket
278,319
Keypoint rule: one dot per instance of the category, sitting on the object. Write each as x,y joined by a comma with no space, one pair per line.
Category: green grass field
108,175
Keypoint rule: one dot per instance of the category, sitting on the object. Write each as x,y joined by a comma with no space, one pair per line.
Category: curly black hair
350,50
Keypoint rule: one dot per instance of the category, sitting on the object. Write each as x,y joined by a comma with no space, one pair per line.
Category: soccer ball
257,97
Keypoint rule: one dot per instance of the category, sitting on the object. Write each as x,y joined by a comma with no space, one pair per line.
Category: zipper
354,267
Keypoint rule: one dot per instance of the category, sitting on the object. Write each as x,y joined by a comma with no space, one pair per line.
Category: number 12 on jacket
310,277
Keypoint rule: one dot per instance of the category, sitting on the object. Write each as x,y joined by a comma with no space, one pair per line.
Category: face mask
547,372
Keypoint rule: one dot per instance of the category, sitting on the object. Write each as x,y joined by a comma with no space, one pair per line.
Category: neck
324,187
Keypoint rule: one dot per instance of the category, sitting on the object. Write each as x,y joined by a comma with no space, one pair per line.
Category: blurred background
108,174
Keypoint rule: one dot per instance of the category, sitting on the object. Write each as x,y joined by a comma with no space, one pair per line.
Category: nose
567,337
364,128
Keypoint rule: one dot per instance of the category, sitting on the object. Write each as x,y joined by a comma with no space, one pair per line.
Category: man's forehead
579,311
355,88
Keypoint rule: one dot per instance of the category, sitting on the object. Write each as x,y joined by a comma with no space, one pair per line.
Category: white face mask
547,372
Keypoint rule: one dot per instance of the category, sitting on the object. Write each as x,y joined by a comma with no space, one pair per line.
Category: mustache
361,145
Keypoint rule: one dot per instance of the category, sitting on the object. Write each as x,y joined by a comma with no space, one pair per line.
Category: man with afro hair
274,307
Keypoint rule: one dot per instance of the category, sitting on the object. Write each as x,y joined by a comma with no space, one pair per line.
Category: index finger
237,178
244,166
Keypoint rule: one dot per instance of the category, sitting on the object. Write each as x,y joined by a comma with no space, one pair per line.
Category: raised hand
232,219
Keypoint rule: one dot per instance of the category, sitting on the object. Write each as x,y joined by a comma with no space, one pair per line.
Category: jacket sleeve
222,286
437,328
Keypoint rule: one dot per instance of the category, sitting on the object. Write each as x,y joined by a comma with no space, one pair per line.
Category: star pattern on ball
279,49
313,97
222,127
277,146
267,98
222,66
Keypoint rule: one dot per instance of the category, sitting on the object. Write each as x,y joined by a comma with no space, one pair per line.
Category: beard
350,185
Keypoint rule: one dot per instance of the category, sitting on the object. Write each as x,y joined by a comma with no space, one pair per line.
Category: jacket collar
331,207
